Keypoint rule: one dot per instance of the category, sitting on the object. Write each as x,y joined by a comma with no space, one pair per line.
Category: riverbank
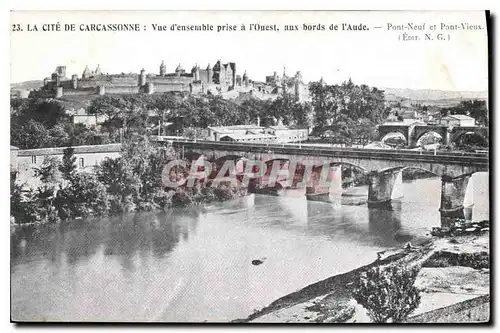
442,280
134,182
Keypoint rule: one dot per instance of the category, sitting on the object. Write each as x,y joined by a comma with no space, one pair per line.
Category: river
196,264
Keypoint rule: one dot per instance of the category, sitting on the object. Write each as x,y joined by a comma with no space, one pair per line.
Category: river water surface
196,264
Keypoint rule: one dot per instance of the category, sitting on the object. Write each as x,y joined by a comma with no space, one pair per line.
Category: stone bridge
384,167
413,133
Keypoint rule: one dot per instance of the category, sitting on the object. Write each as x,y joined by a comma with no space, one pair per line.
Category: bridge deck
476,159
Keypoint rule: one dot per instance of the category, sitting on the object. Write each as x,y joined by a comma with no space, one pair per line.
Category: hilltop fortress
219,79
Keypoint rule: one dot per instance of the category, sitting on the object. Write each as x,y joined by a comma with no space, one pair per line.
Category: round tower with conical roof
98,70
74,80
196,72
179,70
163,69
245,79
298,86
142,78
210,74
86,73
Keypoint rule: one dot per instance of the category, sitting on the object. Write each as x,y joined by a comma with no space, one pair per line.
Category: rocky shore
453,269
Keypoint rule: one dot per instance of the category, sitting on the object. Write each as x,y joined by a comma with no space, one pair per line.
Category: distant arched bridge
412,133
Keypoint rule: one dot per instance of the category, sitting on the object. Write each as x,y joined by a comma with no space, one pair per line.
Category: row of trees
476,109
137,113
130,183
345,113
39,123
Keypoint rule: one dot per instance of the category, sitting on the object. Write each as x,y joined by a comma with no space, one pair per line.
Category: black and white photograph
250,166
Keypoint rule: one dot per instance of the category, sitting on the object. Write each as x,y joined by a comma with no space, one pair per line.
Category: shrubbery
388,293
130,183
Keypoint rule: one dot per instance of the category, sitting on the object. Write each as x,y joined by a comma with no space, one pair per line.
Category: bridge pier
325,184
382,187
446,136
453,190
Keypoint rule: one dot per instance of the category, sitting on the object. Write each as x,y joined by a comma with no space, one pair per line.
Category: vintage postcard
250,166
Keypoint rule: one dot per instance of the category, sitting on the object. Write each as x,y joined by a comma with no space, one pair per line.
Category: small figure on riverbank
408,246
379,255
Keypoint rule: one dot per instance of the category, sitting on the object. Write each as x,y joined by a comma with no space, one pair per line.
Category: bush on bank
130,183
388,293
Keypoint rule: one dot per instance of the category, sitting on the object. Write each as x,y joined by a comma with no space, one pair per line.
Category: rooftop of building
460,117
249,136
404,122
109,148
223,129
278,127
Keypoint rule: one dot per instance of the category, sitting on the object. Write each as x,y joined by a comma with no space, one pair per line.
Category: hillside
28,85
433,95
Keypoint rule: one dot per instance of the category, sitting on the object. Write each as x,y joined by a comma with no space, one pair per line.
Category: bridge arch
424,134
350,165
191,156
472,136
395,134
238,160
408,168
224,158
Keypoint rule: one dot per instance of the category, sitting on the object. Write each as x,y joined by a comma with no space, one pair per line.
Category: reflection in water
385,223
196,264
295,207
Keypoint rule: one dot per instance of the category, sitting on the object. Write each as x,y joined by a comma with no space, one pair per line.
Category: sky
375,57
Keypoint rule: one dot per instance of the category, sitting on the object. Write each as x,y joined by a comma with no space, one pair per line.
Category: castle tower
245,79
210,74
179,70
232,65
74,79
298,86
150,88
86,73
196,72
142,78
97,71
61,71
57,79
163,69
59,92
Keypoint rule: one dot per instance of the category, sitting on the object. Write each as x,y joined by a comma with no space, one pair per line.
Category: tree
364,131
68,166
388,293
476,109
346,106
21,207
30,135
429,139
83,196
48,171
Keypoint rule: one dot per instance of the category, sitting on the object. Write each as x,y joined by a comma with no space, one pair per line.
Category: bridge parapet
442,163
